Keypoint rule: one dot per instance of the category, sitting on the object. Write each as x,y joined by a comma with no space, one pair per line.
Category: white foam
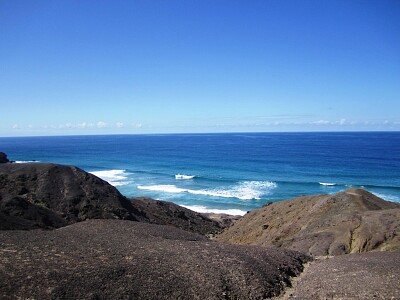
203,209
113,177
181,176
25,161
327,183
246,190
391,198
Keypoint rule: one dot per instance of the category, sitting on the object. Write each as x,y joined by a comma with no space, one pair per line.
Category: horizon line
207,133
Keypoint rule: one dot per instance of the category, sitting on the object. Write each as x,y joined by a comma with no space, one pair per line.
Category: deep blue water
235,171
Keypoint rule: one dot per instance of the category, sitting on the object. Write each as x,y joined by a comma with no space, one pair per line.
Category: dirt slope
347,222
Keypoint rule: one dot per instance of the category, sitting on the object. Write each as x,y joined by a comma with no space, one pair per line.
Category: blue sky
99,67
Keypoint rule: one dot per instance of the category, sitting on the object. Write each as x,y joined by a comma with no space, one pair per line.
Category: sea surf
231,173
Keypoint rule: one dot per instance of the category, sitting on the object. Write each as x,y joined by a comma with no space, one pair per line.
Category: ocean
228,172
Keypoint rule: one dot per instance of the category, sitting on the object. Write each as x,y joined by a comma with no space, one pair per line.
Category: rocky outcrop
3,158
347,222
168,213
37,195
42,195
113,259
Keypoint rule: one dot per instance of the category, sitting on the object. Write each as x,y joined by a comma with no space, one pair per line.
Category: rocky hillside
43,195
114,259
168,213
347,222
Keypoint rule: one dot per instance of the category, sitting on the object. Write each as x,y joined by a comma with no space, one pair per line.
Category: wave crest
182,176
246,190
203,209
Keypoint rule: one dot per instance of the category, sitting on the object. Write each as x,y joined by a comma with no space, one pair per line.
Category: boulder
3,158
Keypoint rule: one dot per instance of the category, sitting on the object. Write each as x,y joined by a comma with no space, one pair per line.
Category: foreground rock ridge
114,259
44,195
346,222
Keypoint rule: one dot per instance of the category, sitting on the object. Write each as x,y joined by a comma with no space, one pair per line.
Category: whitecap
203,209
113,177
25,161
327,183
246,190
182,176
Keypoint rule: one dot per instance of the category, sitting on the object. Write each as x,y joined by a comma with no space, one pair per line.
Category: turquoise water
233,172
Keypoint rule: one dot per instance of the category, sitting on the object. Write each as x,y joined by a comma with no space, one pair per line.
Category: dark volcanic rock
19,213
114,259
346,222
3,158
168,213
37,195
40,195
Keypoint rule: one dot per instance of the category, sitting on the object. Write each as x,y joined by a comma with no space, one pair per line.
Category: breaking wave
327,183
181,176
203,209
246,190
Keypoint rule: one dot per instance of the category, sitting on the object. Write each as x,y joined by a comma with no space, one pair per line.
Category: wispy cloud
336,122
101,124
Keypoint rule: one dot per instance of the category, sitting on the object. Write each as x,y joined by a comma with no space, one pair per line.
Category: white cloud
16,126
101,124
326,122
139,125
321,122
119,124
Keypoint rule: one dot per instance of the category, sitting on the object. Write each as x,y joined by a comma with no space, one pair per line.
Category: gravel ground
372,275
115,259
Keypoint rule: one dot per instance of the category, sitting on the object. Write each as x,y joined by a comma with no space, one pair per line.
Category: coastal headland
68,234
